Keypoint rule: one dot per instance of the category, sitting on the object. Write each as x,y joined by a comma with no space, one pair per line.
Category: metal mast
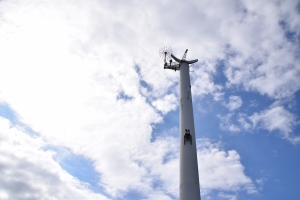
189,178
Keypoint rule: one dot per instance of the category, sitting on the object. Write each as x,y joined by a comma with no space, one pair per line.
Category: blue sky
88,112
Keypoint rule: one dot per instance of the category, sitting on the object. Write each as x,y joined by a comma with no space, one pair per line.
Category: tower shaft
189,178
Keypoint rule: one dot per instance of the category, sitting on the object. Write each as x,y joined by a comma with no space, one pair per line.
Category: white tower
189,178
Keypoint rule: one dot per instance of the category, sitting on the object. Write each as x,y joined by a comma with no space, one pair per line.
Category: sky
88,112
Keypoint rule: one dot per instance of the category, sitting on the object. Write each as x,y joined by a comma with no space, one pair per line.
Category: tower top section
166,52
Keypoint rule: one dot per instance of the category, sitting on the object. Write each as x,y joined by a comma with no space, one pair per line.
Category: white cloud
234,103
73,101
227,124
203,82
276,118
29,172
24,157
259,181
267,62
228,196
260,62
218,169
221,170
166,104
244,122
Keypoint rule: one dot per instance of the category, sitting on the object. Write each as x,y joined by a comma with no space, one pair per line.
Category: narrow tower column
189,178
